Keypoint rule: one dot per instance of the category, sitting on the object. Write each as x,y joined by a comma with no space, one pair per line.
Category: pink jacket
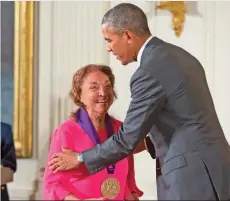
78,181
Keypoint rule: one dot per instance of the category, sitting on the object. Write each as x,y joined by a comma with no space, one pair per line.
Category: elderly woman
93,91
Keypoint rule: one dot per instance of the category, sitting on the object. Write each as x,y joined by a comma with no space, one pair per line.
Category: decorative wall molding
178,11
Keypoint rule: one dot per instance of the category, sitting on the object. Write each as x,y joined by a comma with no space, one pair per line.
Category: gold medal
110,188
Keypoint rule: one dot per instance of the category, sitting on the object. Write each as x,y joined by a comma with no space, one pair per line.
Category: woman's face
97,93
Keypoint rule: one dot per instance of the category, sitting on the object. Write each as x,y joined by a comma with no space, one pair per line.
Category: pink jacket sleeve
131,182
53,188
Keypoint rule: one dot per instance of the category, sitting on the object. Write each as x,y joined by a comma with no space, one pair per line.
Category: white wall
69,38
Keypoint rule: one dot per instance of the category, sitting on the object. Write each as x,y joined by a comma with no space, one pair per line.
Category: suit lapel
154,42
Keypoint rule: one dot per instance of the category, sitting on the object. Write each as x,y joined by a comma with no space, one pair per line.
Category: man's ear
129,35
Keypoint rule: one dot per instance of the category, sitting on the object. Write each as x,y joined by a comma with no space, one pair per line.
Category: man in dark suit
171,101
8,159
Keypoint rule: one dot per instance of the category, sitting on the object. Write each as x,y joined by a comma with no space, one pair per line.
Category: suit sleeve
148,98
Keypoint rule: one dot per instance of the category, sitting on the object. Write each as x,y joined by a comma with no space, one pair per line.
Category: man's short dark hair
126,16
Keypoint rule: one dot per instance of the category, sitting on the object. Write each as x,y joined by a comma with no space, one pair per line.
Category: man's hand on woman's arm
68,160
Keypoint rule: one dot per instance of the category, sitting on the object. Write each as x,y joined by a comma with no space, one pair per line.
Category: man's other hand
65,160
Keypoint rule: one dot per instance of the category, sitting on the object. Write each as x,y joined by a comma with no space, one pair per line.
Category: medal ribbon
86,124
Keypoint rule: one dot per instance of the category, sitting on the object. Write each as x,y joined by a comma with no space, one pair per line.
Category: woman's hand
65,160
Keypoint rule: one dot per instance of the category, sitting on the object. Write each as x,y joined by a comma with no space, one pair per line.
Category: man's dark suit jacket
171,101
8,155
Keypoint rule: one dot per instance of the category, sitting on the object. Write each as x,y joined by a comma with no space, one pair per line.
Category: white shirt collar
142,50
